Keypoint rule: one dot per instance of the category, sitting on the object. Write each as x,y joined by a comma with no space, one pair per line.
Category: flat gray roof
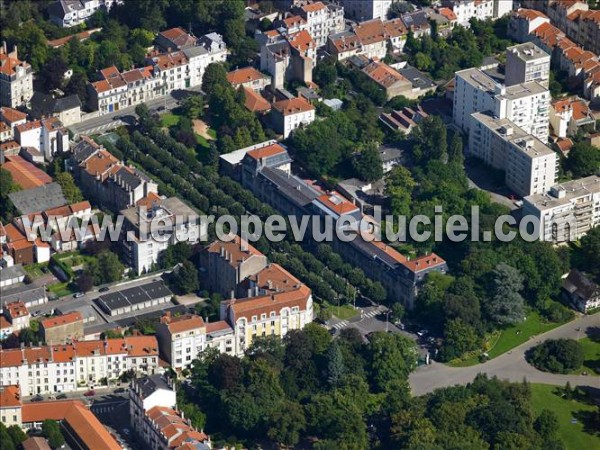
528,51
38,199
571,190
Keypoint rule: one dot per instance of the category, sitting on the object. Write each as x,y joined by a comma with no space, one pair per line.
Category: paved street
510,366
107,122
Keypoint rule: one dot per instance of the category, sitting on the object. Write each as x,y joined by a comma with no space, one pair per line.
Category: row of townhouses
265,169
164,72
581,64
65,367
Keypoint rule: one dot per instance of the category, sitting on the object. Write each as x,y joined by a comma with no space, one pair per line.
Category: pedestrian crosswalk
372,313
341,324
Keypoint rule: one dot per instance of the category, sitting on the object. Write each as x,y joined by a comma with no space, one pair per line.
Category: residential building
567,211
396,33
526,104
62,329
373,38
568,115
12,117
16,79
102,177
36,443
69,13
35,199
49,136
18,315
404,120
466,10
287,115
175,39
265,170
255,102
154,224
581,291
390,157
146,393
28,294
248,77
321,20
389,80
366,9
135,298
66,109
530,166
523,22
11,274
527,62
10,405
227,264
63,368
82,37
418,22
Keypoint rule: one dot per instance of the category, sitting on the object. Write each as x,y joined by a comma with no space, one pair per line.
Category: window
263,316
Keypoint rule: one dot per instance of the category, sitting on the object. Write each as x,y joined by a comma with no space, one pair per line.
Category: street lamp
387,320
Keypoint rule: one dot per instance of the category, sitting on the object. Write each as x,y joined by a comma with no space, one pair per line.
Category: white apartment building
49,136
465,10
64,368
291,114
526,104
567,211
16,79
144,245
147,392
530,166
366,9
523,22
527,62
321,20
181,339
68,13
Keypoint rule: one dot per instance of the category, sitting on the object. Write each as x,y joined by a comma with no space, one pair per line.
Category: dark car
37,398
61,396
119,390
90,393
104,289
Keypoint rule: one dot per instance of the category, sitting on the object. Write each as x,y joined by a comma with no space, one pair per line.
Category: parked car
104,289
78,295
119,390
61,396
37,398
90,393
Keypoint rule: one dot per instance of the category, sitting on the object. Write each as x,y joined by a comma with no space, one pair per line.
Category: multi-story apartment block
69,13
48,136
62,329
465,10
248,77
523,22
530,166
17,316
527,62
321,20
103,177
156,420
16,79
366,9
291,114
227,264
145,235
525,104
181,339
568,211
266,171
62,368
373,38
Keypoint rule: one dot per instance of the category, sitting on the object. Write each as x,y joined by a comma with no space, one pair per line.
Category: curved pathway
510,366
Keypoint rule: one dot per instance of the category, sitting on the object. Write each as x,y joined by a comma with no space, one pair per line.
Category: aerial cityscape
300,224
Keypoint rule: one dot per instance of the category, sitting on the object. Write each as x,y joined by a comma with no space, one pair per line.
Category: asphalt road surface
510,366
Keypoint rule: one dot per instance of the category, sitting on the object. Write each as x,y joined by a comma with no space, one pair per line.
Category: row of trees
345,393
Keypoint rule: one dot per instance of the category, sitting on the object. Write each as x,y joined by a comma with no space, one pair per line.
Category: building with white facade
64,368
366,9
48,136
530,166
567,211
141,238
527,62
291,114
526,104
68,13
16,79
567,115
321,20
466,10
10,405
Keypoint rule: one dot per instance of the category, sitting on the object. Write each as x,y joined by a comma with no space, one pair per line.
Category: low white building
64,368
69,13
567,211
48,136
290,114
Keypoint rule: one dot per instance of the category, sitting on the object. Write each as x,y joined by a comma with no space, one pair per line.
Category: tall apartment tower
362,10
527,62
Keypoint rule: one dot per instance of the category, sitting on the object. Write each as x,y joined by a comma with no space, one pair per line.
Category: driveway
509,366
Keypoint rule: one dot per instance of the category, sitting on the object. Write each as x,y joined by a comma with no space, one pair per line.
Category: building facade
16,79
527,62
62,329
290,114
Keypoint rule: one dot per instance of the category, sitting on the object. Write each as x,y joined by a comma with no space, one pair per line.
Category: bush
556,356
557,313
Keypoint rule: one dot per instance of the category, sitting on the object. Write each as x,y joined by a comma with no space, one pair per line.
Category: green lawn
572,434
591,362
508,338
169,120
344,312
60,289
35,270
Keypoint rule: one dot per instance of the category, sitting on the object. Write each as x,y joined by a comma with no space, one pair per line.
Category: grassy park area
343,312
573,416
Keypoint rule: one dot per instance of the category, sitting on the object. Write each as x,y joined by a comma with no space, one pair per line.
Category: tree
590,251
397,312
583,160
392,357
215,75
367,164
506,306
335,365
546,424
106,268
287,423
85,282
399,186
16,433
70,190
193,413
557,355
399,8
53,73
185,278
459,338
7,185
193,107
6,438
51,431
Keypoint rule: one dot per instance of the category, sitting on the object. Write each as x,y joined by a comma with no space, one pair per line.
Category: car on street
61,396
104,289
37,398
119,390
78,294
90,393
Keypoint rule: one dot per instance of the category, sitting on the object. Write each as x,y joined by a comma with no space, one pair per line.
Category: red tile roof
383,74
179,324
338,204
10,396
425,262
312,7
292,106
25,174
10,115
529,14
17,309
244,75
65,319
371,31
233,248
265,152
255,102
302,41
